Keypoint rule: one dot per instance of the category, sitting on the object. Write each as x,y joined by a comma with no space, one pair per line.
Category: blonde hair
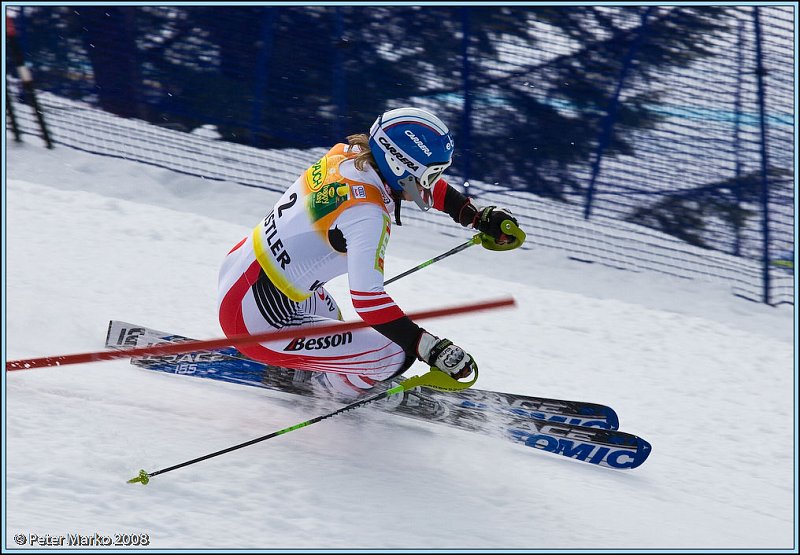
361,141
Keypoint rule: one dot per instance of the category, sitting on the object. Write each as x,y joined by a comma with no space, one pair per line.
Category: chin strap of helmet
397,196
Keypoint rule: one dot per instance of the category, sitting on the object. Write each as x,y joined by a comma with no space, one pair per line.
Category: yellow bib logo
315,175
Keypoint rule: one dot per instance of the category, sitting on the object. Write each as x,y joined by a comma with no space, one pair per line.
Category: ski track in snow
706,377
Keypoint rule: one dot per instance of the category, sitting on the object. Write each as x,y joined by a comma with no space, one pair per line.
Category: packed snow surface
706,377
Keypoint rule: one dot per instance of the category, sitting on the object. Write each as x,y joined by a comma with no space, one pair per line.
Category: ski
230,365
578,430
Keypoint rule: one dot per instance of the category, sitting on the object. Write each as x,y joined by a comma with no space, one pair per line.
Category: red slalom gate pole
211,344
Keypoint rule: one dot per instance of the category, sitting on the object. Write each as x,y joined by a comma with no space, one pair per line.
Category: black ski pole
435,379
473,241
508,227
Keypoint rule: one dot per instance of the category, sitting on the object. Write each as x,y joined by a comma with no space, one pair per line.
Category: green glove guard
436,379
509,228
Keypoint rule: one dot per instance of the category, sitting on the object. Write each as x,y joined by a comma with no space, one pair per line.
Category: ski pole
434,378
473,241
508,227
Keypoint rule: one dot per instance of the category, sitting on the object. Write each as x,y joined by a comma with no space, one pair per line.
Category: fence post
760,72
611,115
12,116
737,129
466,122
9,104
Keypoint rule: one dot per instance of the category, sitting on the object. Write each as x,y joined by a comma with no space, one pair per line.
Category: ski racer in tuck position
335,219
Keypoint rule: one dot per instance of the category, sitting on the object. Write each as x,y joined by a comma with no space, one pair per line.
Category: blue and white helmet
411,147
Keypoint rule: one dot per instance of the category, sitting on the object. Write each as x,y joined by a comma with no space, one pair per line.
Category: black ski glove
489,221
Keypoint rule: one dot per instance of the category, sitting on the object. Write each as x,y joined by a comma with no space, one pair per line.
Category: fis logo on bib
315,343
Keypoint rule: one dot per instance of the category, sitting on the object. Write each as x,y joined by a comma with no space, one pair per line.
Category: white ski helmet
411,147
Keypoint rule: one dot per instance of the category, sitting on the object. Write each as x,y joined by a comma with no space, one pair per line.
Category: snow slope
706,377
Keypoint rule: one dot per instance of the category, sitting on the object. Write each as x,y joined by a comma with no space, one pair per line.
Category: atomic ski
579,430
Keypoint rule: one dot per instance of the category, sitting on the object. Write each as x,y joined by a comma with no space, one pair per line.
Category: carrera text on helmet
396,153
418,142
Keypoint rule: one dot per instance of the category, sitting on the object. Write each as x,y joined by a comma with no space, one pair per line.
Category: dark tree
109,37
302,76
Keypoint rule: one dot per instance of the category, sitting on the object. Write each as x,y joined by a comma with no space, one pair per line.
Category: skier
335,219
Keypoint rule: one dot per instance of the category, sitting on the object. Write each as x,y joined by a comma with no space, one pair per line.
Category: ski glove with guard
489,219
490,222
445,355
